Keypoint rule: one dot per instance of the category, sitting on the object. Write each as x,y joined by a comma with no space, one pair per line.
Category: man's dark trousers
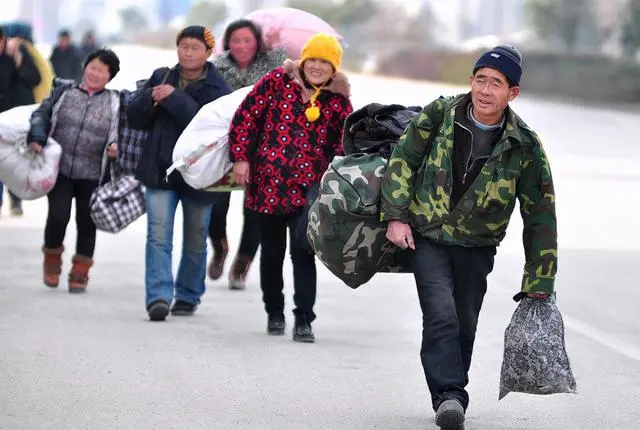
451,283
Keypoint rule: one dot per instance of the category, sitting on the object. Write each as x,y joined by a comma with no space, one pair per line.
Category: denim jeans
451,283
189,283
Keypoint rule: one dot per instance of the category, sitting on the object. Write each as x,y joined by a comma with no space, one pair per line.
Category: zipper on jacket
75,142
468,167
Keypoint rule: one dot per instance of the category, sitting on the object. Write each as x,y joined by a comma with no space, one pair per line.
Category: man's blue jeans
189,283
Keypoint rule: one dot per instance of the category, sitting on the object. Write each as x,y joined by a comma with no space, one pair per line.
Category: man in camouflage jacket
448,194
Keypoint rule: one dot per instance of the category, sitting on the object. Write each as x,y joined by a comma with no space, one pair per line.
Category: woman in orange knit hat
281,139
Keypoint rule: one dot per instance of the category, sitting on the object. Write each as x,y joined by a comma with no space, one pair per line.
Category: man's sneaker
450,415
302,331
158,310
275,325
183,309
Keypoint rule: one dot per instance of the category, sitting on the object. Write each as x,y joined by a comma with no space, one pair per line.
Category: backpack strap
437,122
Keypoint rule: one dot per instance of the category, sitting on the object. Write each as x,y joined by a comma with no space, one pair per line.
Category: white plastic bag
29,176
201,154
15,122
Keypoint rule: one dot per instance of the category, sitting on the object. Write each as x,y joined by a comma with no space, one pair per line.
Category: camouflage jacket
417,185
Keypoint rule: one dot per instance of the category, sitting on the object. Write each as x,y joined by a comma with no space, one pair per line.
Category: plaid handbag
118,202
130,140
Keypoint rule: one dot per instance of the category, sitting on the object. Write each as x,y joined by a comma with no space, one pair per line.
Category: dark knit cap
505,59
19,29
198,32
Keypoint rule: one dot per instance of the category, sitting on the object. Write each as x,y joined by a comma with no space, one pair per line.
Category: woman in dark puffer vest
83,118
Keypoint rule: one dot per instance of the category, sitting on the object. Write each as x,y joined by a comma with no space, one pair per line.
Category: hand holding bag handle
110,173
164,81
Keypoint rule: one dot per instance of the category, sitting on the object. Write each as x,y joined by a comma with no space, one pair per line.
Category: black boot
302,331
276,325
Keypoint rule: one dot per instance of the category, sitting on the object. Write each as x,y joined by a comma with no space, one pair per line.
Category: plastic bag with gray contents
535,358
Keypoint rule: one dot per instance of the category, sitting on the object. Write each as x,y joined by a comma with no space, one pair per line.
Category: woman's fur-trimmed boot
79,275
239,271
216,266
52,266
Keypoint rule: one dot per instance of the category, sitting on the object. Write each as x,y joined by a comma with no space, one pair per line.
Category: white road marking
602,337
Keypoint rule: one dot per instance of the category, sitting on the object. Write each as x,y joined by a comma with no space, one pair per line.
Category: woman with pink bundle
245,60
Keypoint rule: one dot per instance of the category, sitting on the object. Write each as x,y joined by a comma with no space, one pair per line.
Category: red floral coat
287,154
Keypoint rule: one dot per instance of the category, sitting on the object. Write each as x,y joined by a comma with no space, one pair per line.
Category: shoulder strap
56,101
437,123
164,80
121,111
166,75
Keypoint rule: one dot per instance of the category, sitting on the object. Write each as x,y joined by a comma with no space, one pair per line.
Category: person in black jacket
165,105
7,73
18,76
66,58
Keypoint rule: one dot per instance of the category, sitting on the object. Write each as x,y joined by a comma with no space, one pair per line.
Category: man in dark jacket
65,58
18,76
165,105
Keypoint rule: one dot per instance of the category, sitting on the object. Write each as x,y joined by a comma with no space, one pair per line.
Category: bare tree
207,13
133,20
569,22
630,35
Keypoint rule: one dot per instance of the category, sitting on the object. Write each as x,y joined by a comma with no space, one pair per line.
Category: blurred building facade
44,17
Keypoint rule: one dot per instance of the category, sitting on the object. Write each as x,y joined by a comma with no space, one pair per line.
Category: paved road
95,362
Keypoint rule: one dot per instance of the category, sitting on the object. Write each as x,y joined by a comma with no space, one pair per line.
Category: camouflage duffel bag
344,221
